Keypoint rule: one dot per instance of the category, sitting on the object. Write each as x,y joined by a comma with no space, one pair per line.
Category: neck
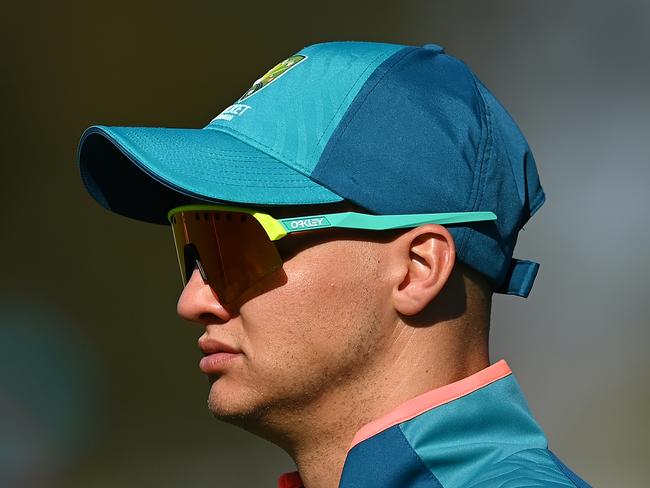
415,361
413,355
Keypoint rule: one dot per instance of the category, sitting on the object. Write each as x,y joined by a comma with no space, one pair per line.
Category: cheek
327,296
317,334
321,321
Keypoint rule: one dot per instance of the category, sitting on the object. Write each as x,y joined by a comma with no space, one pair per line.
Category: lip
212,346
215,363
217,355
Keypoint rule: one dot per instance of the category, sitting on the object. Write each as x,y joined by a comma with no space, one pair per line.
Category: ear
425,258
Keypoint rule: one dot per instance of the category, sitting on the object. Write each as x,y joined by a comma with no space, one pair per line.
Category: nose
199,303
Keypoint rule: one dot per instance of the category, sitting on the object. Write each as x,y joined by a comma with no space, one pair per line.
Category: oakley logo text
308,223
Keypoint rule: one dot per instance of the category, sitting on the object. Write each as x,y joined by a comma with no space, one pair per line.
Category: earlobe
427,256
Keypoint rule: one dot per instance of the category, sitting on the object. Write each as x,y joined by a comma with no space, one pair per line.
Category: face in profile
298,335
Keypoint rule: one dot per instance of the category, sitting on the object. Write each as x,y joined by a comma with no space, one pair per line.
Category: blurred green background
99,383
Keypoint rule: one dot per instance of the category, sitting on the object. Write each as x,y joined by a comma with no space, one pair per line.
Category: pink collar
432,399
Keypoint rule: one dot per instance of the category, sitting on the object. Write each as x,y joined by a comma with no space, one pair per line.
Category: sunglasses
233,247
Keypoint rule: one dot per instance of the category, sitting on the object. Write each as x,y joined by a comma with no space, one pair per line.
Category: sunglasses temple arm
355,220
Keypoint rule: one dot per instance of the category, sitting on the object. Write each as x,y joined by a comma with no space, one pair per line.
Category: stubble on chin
226,406
250,411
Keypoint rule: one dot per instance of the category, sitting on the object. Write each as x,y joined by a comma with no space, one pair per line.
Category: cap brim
143,172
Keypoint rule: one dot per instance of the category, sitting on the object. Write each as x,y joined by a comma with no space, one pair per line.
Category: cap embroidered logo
273,74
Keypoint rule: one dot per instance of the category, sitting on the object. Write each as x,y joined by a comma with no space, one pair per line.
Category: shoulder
537,467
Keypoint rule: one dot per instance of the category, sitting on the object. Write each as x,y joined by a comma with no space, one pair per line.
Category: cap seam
488,148
406,48
482,156
350,117
254,143
202,172
251,159
537,203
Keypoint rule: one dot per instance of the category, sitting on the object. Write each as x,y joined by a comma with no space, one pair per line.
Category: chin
230,403
243,408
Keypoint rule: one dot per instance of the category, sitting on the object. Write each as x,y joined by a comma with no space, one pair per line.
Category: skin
352,326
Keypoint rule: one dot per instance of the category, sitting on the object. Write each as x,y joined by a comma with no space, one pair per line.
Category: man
340,230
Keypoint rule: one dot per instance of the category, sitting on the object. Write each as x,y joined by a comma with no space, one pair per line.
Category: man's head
329,319
388,129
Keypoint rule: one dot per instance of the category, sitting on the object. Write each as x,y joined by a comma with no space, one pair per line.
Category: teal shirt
475,433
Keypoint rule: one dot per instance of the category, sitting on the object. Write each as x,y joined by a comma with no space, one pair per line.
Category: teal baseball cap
394,129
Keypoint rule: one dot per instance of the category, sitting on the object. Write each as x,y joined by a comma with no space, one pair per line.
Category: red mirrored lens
232,248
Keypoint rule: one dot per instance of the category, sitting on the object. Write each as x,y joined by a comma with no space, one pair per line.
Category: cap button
435,48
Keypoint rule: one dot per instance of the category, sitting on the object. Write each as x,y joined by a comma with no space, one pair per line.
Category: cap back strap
519,278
